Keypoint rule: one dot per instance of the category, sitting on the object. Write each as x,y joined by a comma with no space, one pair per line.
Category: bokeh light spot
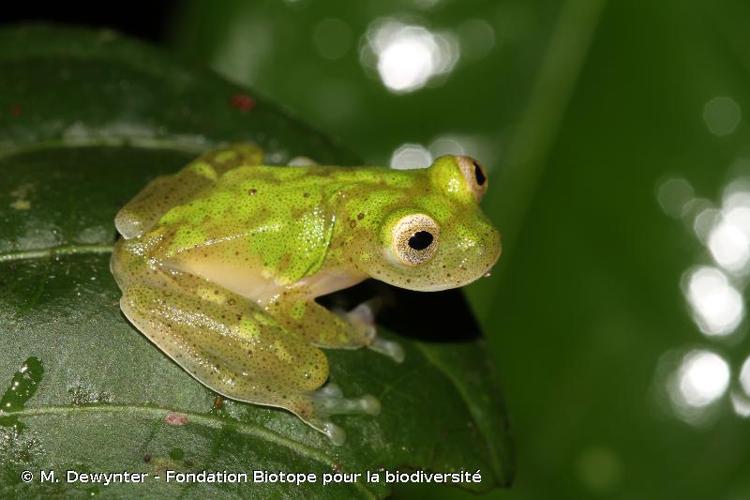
702,378
408,56
729,246
410,156
477,38
717,306
673,194
599,468
722,115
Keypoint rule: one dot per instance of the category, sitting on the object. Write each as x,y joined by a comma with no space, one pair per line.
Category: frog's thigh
228,344
232,156
165,192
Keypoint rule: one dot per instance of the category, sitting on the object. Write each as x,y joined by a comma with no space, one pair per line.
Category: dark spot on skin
243,102
481,179
360,216
421,240
252,191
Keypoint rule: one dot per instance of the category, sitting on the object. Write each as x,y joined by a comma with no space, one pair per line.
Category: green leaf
87,119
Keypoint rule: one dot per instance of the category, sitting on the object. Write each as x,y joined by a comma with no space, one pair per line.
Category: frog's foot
328,401
302,161
362,318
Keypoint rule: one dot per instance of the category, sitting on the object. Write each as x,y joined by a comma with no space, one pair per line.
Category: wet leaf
86,119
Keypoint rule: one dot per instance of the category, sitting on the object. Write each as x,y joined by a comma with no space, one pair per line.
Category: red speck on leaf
243,102
15,110
173,418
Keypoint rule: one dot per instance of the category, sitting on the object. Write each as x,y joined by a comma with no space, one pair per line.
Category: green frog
220,265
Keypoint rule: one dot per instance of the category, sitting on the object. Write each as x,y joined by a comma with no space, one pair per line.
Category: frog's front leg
230,344
297,310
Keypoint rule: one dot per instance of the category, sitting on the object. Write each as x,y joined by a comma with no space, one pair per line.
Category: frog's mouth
439,275
439,287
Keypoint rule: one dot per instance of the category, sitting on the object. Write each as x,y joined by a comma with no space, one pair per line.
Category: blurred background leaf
616,138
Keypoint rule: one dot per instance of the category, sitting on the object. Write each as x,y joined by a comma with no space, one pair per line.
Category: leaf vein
40,253
200,418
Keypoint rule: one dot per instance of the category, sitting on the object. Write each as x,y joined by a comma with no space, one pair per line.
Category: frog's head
440,239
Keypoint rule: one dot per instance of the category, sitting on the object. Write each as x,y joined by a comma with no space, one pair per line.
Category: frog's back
274,221
165,192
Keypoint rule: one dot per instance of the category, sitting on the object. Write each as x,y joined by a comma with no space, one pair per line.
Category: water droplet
22,387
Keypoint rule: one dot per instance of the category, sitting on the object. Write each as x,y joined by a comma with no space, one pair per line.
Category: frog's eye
475,176
415,239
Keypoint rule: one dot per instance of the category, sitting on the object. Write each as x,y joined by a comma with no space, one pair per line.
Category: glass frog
220,265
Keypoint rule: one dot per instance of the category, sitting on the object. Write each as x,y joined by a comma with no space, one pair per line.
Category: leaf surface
88,118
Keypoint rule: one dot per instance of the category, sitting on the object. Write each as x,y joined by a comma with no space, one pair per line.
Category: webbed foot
362,318
328,401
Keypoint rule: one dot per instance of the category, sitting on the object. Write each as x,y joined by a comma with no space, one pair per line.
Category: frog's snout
479,259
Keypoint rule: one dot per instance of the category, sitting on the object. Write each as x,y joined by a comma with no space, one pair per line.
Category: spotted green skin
220,264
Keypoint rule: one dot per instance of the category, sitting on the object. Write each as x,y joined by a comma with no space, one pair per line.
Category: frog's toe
329,400
336,434
302,161
389,348
362,318
363,314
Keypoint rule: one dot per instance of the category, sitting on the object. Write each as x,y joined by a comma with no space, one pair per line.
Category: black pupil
420,240
479,174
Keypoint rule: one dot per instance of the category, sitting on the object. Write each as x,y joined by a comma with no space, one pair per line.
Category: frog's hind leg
233,347
333,330
164,192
